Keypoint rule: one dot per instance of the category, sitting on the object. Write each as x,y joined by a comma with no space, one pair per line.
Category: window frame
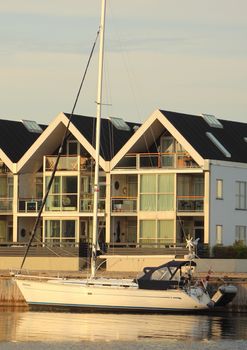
238,233
219,188
219,234
241,195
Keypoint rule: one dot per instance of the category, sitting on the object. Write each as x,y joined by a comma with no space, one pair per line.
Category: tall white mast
97,142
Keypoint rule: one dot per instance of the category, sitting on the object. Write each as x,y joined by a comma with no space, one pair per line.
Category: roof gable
194,129
112,139
15,139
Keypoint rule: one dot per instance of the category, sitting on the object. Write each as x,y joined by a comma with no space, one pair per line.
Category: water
53,331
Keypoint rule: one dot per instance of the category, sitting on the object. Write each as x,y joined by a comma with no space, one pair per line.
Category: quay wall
40,263
132,263
118,263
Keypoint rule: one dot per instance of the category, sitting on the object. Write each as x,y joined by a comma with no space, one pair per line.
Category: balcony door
84,231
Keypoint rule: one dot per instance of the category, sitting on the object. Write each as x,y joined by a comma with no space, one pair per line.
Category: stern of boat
224,295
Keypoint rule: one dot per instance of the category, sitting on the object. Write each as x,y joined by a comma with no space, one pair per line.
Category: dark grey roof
112,139
194,128
15,139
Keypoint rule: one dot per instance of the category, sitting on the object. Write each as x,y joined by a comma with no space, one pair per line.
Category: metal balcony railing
29,205
180,160
124,204
190,203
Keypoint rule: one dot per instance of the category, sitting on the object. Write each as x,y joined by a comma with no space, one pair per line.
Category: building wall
223,211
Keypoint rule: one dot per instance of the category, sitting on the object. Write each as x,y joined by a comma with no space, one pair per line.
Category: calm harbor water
50,330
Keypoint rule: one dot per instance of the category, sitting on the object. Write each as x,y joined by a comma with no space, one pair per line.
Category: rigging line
52,250
155,140
59,154
38,240
182,227
108,99
147,148
111,132
125,59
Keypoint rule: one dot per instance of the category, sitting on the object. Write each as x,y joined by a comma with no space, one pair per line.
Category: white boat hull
128,297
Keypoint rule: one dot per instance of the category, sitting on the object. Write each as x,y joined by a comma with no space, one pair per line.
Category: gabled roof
83,129
112,139
194,128
15,139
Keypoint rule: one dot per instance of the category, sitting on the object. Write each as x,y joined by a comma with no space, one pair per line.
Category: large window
241,195
60,231
169,147
157,192
156,232
63,194
240,234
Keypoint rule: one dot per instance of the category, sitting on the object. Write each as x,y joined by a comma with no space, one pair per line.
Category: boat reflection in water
60,327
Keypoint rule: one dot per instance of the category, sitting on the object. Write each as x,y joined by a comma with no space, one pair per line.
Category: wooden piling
10,294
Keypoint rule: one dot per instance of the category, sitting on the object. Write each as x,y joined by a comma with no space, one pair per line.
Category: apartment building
174,176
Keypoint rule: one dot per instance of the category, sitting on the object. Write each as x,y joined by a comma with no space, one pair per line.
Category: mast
97,141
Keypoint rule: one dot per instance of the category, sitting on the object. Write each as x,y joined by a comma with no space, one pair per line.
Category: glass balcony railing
124,204
6,205
65,163
61,202
86,203
190,203
71,163
29,205
157,160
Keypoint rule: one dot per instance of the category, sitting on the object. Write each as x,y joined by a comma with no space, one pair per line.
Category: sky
185,56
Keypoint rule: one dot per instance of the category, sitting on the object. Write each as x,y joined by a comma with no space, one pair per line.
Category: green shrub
236,251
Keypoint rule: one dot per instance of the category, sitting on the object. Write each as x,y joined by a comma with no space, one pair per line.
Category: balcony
6,205
68,163
170,160
124,204
29,205
190,203
61,202
86,203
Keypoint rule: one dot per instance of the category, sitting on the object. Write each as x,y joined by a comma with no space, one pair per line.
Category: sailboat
166,288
